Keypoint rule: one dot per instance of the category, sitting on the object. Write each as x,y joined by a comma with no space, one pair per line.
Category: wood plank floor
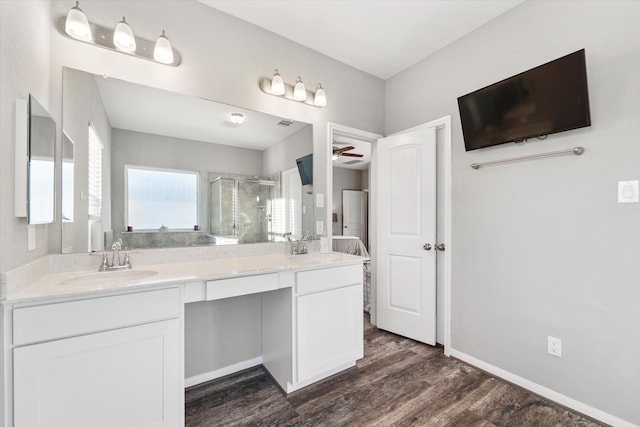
399,382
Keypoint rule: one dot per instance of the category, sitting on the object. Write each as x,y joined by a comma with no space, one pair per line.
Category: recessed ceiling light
236,118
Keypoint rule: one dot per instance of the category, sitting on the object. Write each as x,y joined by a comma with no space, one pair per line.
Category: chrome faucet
298,247
115,263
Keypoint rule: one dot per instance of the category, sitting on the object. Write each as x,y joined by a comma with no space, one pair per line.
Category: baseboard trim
543,391
212,375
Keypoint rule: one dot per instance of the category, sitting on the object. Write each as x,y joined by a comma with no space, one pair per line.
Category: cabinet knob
440,247
426,246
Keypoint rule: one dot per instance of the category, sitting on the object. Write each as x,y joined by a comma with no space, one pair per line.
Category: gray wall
541,247
221,333
144,149
24,69
282,155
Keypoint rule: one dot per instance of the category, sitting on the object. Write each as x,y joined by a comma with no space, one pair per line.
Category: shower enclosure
242,210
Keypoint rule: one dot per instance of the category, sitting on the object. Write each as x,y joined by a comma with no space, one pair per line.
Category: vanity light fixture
123,38
236,118
297,92
76,26
320,99
277,84
163,52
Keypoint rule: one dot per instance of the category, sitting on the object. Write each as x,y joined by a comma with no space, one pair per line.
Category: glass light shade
77,25
236,118
163,52
123,37
277,84
299,91
320,99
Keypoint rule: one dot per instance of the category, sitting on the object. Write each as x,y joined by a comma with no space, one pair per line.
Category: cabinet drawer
66,319
227,288
328,278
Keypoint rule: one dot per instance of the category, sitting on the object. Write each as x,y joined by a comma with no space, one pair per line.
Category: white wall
24,69
541,247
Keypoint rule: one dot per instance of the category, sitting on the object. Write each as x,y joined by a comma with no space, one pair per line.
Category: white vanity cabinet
106,361
329,320
314,329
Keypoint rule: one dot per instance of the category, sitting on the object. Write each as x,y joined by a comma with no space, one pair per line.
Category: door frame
441,123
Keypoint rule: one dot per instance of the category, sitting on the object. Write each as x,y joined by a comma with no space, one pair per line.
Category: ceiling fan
344,151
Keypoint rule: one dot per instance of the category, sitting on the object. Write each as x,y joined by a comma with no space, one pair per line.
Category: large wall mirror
160,169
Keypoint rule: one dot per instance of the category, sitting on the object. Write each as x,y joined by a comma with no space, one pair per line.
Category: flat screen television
305,168
550,98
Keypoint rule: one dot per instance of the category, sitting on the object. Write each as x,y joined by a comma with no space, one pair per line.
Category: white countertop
87,282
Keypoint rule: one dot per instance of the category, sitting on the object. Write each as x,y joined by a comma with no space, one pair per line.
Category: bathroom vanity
105,349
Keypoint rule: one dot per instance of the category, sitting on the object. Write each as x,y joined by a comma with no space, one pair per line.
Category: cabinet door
329,331
124,377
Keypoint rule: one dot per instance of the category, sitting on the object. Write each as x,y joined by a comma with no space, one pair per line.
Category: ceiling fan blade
342,150
352,155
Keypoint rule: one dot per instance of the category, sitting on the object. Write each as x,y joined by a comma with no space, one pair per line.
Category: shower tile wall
254,212
242,209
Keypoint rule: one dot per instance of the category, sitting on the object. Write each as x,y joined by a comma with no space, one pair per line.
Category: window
95,175
161,197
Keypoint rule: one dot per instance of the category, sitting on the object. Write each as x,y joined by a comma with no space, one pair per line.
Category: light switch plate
319,228
320,200
628,191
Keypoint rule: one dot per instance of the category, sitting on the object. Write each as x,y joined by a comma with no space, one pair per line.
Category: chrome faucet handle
287,235
104,264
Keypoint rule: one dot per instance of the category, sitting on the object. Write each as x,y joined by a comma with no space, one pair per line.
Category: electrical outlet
554,346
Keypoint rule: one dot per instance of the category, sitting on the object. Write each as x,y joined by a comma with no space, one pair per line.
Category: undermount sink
110,277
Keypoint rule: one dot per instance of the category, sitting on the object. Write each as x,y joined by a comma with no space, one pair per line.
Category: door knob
440,247
426,246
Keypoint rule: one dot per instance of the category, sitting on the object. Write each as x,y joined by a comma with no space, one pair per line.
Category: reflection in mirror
169,136
243,210
41,175
351,183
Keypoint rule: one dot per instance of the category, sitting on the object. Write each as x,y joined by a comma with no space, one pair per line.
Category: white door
353,213
406,228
